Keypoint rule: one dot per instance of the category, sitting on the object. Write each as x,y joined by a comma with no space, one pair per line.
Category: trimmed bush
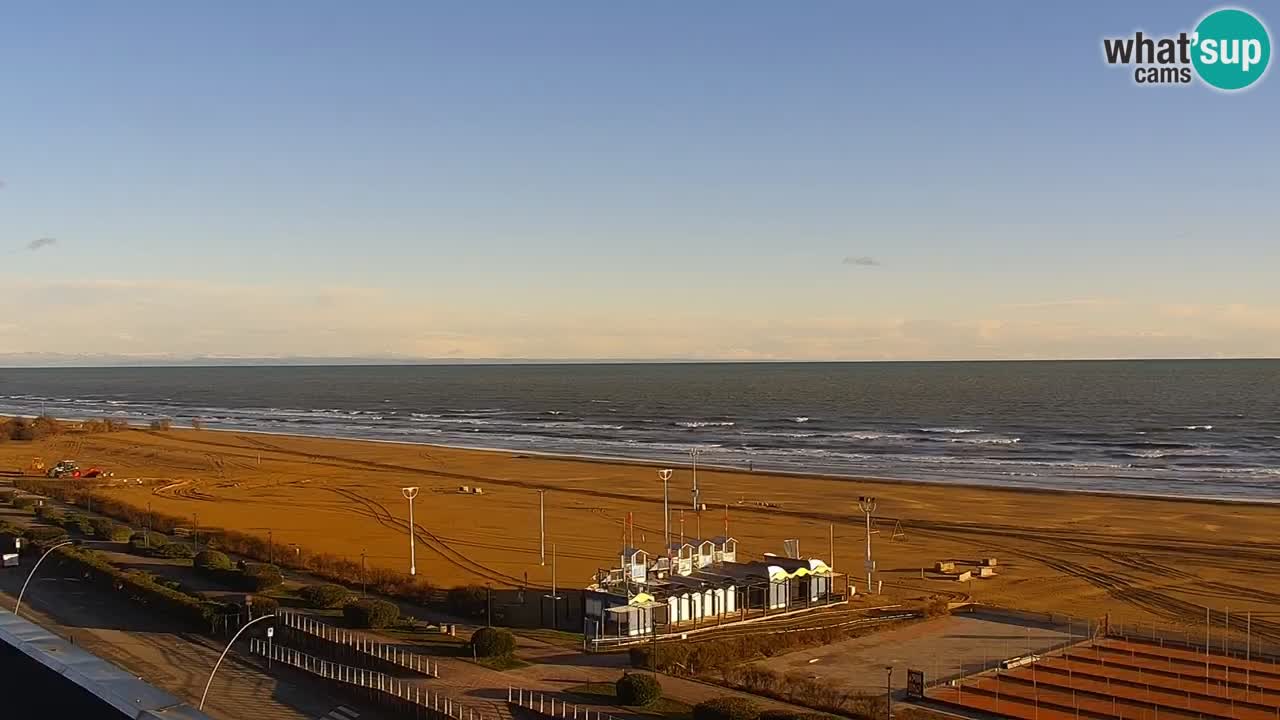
325,596
470,601
108,529
45,534
212,561
119,533
263,605
493,642
369,613
50,514
257,577
25,502
174,551
138,544
637,689
726,708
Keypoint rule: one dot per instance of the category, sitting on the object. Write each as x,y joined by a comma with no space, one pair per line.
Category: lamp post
224,654
364,581
665,475
888,693
18,605
868,505
542,527
555,618
409,494
694,452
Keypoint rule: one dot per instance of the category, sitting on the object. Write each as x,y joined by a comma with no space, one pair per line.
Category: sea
1202,429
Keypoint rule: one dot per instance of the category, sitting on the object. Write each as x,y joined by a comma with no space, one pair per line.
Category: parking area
943,648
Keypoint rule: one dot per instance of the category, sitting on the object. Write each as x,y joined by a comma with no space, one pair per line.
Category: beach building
700,583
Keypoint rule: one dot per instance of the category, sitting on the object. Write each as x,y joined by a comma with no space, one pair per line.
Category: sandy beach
1140,559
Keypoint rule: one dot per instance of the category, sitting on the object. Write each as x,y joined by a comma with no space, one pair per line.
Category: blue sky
574,179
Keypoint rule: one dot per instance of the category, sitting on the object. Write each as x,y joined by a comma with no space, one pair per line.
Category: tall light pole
555,597
868,505
410,493
694,452
542,527
17,606
888,693
665,475
224,654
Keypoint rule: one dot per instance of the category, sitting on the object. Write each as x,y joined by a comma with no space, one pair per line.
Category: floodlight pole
693,456
410,493
18,605
665,475
542,527
868,505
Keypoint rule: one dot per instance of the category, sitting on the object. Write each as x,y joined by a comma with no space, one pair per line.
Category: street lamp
694,452
31,574
867,504
888,693
542,527
665,475
224,654
554,596
409,494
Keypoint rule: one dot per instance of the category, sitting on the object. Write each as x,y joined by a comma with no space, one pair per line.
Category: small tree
493,642
370,613
726,708
258,577
213,561
262,605
325,596
638,689
469,601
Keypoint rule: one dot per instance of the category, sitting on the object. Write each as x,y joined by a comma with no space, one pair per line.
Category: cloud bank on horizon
175,319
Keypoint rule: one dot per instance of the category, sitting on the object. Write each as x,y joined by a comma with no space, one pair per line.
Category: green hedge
42,534
493,642
174,551
26,502
726,708
638,689
50,514
325,596
140,586
370,613
263,605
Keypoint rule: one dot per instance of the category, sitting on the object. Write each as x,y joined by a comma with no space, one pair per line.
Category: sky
666,180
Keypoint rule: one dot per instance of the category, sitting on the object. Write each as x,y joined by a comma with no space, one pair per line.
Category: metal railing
356,645
421,700
547,705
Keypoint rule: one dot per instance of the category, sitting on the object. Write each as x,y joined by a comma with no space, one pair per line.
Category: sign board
271,632
10,560
915,684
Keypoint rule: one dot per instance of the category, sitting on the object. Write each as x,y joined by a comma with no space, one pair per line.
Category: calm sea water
1191,428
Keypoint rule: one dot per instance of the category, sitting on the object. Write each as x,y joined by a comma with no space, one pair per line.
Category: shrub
774,714
213,561
258,577
139,545
7,495
937,607
119,533
80,525
493,642
369,613
638,689
468,601
102,527
43,534
263,605
25,502
325,596
726,708
50,514
175,551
